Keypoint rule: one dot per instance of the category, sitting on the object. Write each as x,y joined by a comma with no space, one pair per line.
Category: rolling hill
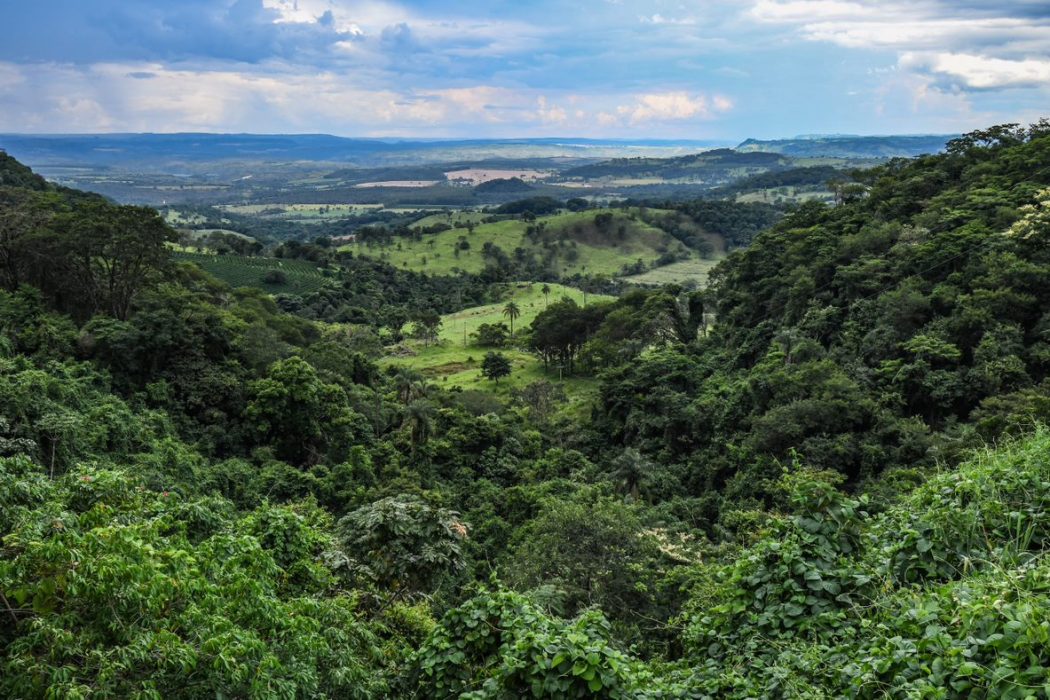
565,244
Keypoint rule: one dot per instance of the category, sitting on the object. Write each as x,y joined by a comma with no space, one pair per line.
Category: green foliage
491,335
304,418
495,366
499,645
207,492
403,544
863,337
938,596
116,595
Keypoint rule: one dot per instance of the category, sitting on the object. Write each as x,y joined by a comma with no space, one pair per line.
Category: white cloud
981,46
673,106
981,72
551,113
805,11
278,98
660,19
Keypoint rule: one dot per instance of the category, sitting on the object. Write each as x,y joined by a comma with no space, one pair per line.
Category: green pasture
606,254
695,270
451,363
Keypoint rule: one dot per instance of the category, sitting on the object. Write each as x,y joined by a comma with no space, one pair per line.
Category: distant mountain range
192,151
162,151
842,146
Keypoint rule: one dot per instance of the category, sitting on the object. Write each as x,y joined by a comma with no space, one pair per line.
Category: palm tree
630,468
419,417
511,311
409,385
546,289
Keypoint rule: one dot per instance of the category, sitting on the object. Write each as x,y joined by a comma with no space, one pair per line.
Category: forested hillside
823,476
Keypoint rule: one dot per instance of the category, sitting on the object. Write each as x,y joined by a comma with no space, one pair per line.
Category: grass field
239,271
299,211
696,270
779,195
452,218
198,233
595,254
452,364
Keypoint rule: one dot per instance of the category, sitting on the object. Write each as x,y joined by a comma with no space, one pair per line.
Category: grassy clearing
457,219
300,211
200,233
626,241
174,217
695,270
779,195
453,364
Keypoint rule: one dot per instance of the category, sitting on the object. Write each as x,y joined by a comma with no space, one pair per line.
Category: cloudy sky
501,68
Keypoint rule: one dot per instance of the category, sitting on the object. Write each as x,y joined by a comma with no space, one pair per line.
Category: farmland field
238,271
476,176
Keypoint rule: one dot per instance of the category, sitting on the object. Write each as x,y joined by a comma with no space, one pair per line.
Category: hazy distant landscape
161,169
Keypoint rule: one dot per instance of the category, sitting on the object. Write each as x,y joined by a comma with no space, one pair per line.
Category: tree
511,311
301,416
492,335
595,553
419,416
427,325
546,289
495,366
629,469
114,250
404,544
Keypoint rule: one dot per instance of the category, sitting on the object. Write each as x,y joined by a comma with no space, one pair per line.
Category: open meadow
694,270
455,360
579,246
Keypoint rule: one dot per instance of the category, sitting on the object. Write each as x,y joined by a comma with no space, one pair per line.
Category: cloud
544,67
980,72
673,106
973,45
281,99
660,19
551,113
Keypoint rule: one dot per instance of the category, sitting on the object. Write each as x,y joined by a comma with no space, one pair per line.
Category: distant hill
159,152
708,163
511,185
849,146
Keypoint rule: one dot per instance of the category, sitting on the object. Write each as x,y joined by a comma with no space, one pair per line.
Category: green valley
553,447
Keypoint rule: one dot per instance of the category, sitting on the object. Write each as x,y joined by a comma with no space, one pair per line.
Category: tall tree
511,311
495,366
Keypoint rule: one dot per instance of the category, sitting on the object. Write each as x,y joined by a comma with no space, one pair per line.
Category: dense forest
824,475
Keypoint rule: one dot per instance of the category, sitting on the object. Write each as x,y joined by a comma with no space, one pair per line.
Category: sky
676,69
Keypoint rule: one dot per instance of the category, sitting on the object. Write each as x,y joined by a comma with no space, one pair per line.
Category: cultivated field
476,176
238,271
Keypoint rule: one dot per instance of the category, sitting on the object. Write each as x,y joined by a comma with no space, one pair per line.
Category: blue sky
501,68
